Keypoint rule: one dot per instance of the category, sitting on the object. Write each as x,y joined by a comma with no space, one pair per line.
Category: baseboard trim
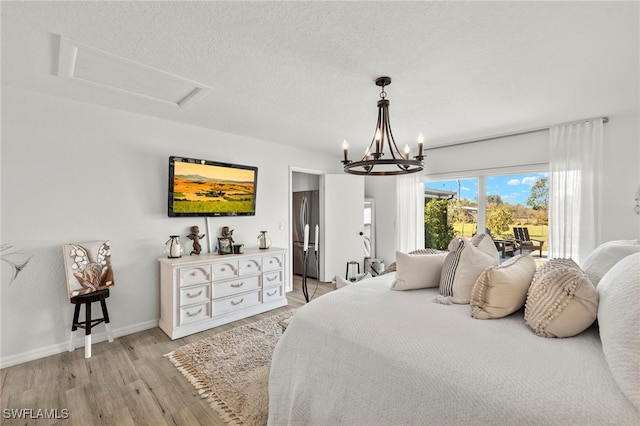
57,348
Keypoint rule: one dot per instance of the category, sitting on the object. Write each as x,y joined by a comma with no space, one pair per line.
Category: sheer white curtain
410,212
575,189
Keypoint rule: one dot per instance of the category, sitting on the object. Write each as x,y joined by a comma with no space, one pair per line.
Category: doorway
305,211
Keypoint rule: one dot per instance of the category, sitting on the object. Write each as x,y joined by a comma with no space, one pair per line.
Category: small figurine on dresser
226,233
193,236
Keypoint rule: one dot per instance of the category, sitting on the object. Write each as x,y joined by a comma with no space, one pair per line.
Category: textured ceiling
301,73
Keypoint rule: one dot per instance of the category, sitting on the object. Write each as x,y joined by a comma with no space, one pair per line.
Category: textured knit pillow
502,290
561,301
462,267
619,322
416,271
606,255
551,264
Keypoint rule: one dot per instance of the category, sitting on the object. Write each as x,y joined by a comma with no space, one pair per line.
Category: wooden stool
88,323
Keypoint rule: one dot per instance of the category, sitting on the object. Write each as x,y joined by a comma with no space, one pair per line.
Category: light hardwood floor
127,382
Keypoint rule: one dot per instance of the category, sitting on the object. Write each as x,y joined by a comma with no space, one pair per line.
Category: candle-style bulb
420,138
345,148
420,142
406,152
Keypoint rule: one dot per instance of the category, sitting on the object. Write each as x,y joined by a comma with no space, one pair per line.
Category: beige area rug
231,369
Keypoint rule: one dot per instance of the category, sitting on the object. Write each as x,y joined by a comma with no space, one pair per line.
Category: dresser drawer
194,275
272,278
269,294
195,294
239,285
250,266
195,313
235,303
272,262
224,270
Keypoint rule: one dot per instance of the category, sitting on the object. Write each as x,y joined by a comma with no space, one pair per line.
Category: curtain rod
518,133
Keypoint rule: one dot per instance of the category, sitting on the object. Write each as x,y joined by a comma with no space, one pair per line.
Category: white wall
77,172
621,177
304,182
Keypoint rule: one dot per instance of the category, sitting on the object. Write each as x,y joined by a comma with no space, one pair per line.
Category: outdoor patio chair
524,242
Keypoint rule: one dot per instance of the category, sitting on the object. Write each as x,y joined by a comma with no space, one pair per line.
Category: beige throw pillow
561,301
416,271
463,265
485,243
502,290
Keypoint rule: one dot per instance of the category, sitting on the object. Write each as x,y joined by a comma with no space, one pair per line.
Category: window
517,200
459,207
451,209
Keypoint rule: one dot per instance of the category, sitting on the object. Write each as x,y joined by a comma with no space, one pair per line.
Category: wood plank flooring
127,382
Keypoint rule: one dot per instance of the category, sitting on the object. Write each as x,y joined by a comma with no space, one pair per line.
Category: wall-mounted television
209,188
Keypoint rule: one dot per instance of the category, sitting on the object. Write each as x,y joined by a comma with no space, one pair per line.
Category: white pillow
462,267
619,321
416,271
341,282
606,255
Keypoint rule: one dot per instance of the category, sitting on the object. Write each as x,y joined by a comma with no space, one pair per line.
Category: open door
343,198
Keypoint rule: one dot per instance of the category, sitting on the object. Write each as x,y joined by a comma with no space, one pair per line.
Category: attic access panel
94,66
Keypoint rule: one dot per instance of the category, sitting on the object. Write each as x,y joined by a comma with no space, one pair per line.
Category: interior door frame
320,174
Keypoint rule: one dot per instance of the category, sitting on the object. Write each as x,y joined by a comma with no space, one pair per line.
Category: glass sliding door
518,200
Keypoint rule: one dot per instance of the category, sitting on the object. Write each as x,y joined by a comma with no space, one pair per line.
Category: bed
366,355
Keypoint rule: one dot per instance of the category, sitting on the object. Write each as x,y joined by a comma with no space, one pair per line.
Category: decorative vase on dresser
205,291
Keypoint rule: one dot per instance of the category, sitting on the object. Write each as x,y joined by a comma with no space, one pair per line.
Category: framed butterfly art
88,267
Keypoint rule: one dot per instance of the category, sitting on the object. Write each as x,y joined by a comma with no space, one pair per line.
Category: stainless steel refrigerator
306,210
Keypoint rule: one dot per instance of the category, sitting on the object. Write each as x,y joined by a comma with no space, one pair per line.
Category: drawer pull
194,295
223,269
272,278
238,285
271,294
237,303
193,314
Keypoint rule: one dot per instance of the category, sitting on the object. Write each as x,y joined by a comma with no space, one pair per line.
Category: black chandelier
372,164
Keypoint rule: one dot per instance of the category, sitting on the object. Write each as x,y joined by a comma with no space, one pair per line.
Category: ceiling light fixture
399,163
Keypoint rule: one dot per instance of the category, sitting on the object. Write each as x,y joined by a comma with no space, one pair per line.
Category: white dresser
208,290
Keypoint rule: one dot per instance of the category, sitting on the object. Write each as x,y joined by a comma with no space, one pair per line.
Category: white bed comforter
367,355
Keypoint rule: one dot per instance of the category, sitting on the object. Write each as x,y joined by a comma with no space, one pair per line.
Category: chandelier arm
392,139
380,145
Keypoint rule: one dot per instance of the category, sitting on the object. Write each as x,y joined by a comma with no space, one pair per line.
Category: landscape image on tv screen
211,189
